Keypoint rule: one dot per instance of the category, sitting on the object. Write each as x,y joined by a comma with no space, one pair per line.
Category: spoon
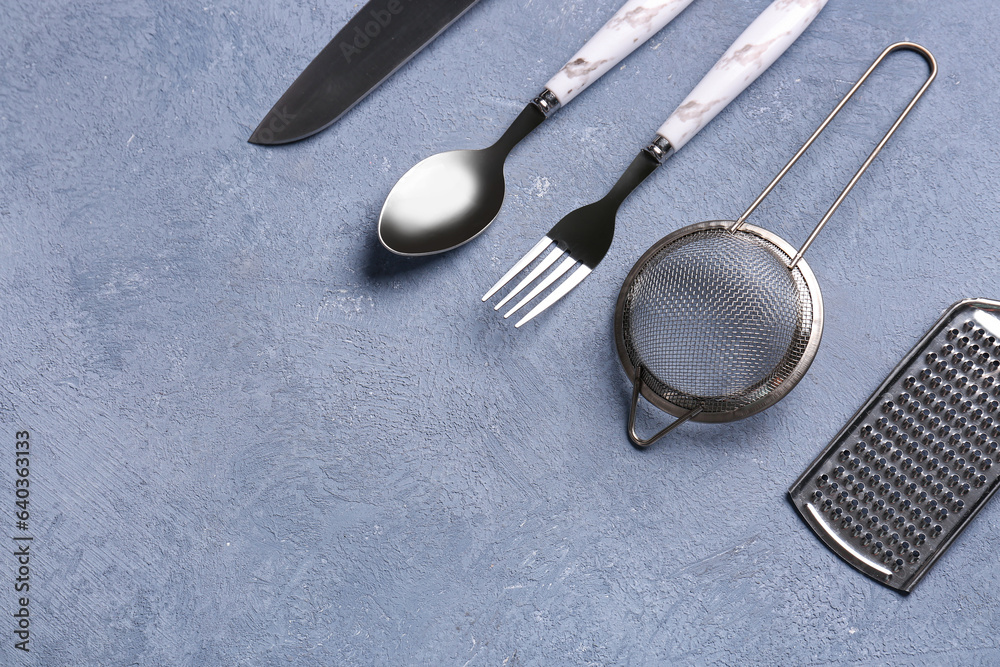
450,198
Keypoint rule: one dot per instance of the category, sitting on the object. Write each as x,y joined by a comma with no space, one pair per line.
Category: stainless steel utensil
449,199
380,39
720,320
915,464
584,236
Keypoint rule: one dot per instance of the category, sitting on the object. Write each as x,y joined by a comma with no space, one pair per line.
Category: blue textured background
261,439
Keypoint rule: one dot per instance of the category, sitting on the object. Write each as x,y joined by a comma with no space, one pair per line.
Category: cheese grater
917,462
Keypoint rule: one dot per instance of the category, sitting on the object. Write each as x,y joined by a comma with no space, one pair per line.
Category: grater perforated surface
916,463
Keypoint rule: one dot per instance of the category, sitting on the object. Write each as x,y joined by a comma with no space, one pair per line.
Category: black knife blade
380,39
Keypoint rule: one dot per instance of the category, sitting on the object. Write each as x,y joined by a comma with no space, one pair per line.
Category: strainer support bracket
632,435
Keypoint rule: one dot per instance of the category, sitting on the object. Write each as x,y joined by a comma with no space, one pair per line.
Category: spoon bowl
442,202
450,198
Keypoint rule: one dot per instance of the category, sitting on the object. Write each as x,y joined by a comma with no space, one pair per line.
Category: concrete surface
260,439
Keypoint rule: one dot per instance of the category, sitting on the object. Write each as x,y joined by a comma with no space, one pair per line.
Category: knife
380,39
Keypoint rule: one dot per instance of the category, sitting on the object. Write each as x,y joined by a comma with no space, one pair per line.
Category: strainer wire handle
646,442
819,227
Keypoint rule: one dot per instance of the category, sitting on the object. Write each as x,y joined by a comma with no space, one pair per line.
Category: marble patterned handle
629,28
754,51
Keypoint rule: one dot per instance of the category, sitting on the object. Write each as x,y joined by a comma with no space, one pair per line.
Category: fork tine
574,279
553,276
521,263
549,260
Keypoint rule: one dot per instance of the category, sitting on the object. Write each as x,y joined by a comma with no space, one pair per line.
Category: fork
583,238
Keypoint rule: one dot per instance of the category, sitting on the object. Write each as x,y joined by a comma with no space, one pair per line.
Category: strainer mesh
717,320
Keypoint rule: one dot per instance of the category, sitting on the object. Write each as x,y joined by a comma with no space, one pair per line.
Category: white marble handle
629,28
754,51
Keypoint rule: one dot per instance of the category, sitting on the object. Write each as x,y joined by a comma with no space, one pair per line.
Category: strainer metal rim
771,397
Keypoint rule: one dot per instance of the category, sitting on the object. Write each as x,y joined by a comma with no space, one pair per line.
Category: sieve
721,319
